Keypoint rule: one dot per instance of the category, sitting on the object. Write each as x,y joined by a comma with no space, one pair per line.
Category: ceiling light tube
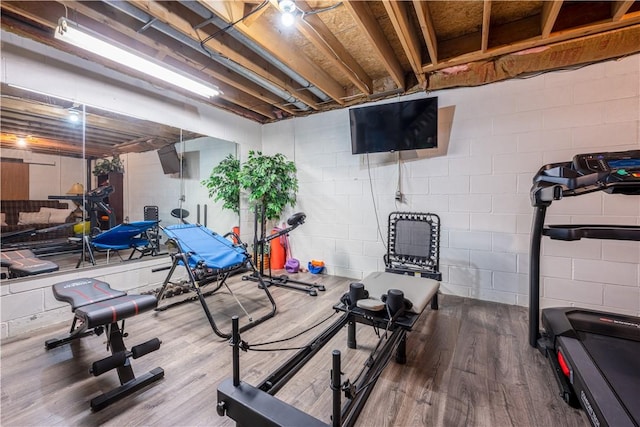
85,41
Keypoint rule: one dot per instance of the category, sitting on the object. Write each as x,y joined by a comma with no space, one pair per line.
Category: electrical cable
375,208
326,9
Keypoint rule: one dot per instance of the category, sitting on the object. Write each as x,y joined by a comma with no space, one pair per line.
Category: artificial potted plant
271,184
106,166
270,181
224,183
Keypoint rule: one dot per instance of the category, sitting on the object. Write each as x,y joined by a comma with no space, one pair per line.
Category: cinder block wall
501,134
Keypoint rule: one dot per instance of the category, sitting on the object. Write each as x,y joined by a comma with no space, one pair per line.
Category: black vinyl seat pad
95,303
84,291
116,309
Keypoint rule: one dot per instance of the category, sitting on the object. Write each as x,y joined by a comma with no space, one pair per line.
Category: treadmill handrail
592,231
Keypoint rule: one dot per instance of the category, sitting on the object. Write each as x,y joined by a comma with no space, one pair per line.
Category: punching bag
277,252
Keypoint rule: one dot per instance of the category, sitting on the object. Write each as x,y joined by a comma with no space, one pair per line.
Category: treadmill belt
619,362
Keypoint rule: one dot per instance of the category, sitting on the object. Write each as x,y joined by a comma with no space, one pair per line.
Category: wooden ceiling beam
248,8
223,9
159,12
550,11
263,34
428,31
53,146
397,11
315,30
486,25
619,8
532,42
362,15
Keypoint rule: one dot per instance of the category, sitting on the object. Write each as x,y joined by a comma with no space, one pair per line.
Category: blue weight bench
208,257
23,263
98,308
132,235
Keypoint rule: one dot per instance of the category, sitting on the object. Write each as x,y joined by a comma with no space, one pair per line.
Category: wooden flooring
469,364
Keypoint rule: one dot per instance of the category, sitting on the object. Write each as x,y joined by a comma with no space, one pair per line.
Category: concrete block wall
479,183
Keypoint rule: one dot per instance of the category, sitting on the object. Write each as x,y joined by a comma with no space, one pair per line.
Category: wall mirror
58,154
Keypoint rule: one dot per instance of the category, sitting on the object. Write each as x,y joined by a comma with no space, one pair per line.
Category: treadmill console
625,164
614,172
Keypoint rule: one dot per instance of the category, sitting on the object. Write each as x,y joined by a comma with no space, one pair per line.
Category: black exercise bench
97,307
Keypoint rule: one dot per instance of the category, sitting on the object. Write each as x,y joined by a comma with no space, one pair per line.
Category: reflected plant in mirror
224,183
105,166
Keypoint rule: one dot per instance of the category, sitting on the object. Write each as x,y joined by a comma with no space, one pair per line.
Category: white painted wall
501,135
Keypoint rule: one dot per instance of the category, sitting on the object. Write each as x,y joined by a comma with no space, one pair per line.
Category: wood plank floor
469,364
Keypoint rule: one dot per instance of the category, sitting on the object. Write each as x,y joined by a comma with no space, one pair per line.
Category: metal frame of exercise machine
259,243
249,405
209,260
97,309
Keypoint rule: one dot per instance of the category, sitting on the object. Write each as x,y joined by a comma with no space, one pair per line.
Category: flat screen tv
169,159
406,125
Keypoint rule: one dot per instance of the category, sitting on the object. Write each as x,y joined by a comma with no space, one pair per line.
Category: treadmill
595,355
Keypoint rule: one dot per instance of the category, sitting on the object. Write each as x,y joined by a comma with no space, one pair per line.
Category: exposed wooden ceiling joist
408,35
336,55
361,13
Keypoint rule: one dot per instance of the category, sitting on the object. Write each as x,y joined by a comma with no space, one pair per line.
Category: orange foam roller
278,253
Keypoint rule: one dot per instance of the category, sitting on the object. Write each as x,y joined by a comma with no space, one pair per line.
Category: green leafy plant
224,183
271,182
105,166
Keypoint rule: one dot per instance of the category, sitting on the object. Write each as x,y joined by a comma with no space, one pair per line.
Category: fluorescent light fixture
85,41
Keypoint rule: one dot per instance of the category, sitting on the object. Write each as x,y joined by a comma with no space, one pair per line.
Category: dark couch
12,208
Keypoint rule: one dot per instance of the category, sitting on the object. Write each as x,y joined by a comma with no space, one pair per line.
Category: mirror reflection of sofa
20,215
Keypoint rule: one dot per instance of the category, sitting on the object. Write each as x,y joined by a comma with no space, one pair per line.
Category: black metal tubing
534,275
258,249
353,407
249,405
118,360
235,342
276,380
195,287
336,417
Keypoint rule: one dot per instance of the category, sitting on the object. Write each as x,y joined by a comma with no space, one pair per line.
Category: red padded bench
96,307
